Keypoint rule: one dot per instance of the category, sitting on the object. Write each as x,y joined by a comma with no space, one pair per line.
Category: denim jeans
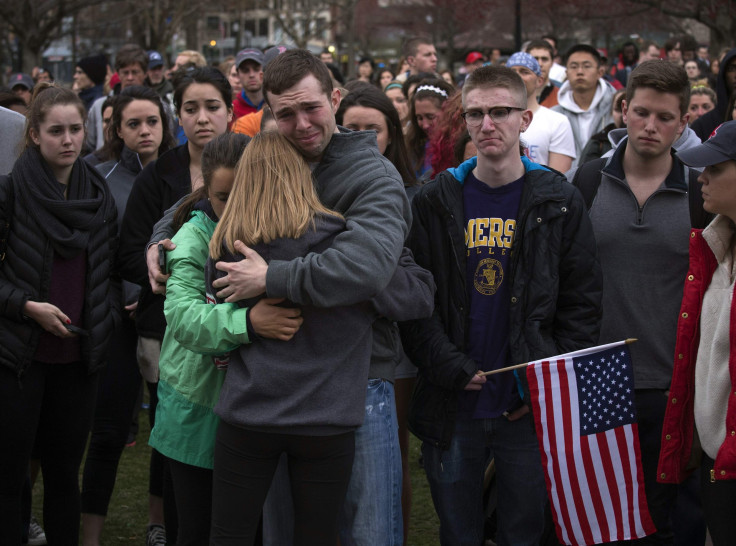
456,481
371,514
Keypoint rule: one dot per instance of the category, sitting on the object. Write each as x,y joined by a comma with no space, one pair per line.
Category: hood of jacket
721,89
687,139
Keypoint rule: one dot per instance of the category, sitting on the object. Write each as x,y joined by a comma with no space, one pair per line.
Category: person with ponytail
59,306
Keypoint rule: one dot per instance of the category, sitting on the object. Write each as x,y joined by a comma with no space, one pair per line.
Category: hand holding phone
76,330
162,259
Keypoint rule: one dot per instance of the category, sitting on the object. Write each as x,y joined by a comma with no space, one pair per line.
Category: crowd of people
303,269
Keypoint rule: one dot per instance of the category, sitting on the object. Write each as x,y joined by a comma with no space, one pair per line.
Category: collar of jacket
130,160
460,173
675,179
173,167
540,184
346,141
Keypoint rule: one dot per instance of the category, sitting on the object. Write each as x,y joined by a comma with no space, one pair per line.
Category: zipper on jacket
640,208
712,475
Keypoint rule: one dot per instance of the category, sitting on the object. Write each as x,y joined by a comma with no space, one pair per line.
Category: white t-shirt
548,132
557,72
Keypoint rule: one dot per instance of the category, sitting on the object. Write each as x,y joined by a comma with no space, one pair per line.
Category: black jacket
556,285
705,124
25,274
159,185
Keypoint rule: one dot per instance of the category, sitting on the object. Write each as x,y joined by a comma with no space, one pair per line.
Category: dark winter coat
556,288
25,274
161,184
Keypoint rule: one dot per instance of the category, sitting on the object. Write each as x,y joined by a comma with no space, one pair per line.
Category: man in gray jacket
640,215
353,178
585,97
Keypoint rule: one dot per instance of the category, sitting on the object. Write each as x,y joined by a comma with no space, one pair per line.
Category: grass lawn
128,512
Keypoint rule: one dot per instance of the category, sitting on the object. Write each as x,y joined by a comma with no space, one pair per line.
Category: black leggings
118,393
719,499
53,405
245,462
193,493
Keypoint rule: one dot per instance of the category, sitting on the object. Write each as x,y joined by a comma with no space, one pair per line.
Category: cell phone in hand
162,259
76,330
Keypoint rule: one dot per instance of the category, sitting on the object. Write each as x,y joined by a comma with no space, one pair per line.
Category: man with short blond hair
468,222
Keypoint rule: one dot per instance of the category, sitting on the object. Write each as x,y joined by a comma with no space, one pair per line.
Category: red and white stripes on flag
583,405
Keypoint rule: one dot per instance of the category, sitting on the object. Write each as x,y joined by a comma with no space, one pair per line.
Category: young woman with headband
425,107
395,92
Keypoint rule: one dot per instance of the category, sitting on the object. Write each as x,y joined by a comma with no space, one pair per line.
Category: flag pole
628,341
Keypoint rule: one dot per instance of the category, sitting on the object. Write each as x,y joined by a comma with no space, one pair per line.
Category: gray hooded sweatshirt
586,123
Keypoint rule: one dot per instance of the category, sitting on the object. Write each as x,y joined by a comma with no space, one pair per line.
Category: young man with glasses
585,98
512,252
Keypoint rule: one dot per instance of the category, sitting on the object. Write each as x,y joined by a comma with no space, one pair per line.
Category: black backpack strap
699,217
587,178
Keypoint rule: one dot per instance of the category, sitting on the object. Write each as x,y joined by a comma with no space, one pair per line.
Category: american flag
584,415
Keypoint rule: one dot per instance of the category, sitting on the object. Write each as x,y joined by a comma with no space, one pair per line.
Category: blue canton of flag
605,390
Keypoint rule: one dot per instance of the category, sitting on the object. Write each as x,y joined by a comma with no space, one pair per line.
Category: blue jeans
456,481
371,514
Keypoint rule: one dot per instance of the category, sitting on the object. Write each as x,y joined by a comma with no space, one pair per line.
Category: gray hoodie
586,123
11,143
687,139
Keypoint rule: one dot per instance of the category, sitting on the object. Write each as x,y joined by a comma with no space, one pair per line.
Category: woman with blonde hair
304,397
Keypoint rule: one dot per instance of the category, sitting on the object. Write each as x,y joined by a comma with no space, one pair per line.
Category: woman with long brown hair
59,304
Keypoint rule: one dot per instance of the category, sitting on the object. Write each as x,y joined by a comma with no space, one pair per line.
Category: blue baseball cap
155,59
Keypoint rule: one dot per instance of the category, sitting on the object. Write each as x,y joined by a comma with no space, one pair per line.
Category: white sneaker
156,535
36,536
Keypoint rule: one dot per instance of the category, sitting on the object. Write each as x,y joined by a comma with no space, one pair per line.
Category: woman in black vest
58,308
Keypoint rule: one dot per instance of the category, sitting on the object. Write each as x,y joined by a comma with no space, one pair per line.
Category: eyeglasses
498,114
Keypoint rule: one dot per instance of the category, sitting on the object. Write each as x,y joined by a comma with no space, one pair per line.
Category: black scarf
66,222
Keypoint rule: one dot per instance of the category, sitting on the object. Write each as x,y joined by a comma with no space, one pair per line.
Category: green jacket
190,383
